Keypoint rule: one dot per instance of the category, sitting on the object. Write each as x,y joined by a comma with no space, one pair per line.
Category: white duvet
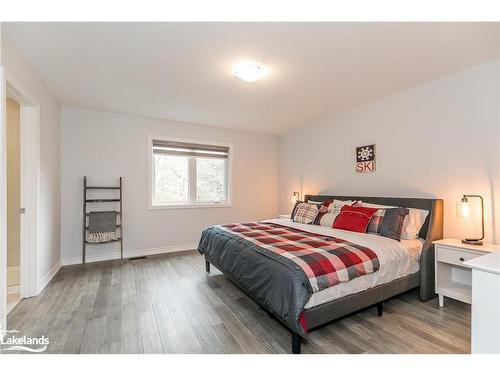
397,259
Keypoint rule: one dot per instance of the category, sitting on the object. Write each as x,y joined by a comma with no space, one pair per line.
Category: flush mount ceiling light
248,71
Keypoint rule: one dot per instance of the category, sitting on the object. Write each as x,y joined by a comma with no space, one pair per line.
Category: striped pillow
305,213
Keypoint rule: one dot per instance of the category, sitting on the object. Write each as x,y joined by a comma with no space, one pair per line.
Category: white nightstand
453,278
283,216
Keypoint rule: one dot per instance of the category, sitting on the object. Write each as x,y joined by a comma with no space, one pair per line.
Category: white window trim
180,205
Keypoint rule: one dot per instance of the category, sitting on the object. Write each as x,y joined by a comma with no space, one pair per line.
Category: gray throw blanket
102,226
274,281
104,221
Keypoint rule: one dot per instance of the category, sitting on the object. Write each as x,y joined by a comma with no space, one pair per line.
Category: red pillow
354,219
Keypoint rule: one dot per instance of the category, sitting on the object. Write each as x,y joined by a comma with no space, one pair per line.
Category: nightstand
283,216
453,278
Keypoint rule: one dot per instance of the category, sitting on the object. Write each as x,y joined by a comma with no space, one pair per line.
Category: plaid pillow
305,213
376,222
295,208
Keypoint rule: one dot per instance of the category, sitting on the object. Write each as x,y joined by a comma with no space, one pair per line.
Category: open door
14,212
29,190
3,210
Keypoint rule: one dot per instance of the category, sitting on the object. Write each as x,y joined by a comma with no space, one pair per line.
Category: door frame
3,207
30,188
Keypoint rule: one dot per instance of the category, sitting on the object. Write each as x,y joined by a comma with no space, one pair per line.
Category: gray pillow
392,223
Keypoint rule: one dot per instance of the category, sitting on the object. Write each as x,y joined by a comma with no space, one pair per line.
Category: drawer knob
462,259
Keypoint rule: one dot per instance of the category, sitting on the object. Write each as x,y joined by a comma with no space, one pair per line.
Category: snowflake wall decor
365,159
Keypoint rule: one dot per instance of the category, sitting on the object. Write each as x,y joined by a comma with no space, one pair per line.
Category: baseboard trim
13,275
130,254
46,279
13,289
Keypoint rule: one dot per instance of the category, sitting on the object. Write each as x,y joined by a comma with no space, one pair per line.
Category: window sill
182,206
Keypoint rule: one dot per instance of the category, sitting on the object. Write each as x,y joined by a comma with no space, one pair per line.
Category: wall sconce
295,197
464,211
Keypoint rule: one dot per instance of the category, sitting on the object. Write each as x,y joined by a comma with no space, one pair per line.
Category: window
188,173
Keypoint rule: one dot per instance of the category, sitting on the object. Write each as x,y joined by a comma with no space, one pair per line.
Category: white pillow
413,221
327,220
336,205
314,202
371,205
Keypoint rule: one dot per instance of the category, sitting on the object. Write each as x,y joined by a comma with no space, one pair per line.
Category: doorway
23,280
13,151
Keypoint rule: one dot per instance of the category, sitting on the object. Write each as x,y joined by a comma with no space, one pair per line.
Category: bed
301,301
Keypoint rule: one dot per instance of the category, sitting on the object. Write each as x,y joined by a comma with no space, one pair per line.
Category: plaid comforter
326,261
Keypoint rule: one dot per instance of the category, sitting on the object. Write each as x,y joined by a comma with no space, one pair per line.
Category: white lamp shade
463,209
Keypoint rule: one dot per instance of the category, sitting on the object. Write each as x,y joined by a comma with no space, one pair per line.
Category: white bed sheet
397,259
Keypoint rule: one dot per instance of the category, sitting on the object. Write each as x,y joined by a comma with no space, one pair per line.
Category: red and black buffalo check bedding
326,261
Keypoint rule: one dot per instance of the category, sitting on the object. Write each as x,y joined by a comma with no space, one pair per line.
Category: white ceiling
182,71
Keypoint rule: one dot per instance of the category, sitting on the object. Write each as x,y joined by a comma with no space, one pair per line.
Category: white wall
104,146
48,231
439,139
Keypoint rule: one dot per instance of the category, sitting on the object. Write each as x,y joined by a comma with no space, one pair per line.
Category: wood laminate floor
168,304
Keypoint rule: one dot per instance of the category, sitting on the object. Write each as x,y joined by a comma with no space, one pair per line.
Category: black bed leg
296,340
207,266
380,308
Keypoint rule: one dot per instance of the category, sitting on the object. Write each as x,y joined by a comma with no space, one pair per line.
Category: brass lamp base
473,242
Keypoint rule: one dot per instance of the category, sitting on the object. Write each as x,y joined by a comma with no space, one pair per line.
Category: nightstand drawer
454,256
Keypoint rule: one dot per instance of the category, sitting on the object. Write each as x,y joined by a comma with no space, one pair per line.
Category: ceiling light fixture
248,71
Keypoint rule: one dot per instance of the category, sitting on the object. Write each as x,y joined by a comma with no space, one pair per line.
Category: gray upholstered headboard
432,230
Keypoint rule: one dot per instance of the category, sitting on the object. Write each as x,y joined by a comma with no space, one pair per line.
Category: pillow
392,222
336,205
314,202
327,220
372,205
322,210
305,213
295,209
376,221
412,223
354,219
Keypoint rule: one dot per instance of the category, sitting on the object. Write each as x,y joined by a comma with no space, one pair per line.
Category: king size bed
308,275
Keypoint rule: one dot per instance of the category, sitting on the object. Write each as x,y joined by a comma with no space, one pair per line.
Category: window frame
191,172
